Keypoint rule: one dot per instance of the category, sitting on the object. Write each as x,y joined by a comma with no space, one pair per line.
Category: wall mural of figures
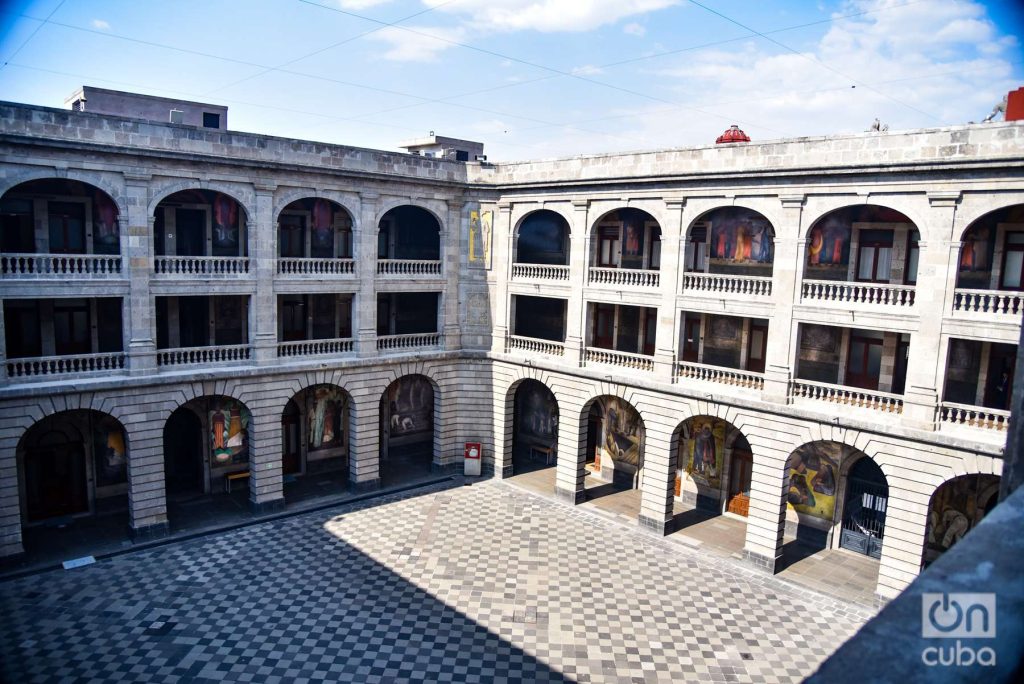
956,507
740,236
225,221
537,412
410,406
322,234
830,242
977,249
813,476
104,217
703,447
229,431
111,453
326,412
621,437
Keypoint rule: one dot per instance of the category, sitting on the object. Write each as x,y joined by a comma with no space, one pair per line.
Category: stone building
815,337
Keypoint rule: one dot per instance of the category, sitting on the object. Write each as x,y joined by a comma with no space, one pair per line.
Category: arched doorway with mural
955,508
407,414
534,428
314,442
614,454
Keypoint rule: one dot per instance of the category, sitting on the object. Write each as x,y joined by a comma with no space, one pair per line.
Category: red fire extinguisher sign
473,450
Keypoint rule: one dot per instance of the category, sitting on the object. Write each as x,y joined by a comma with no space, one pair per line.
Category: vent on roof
177,116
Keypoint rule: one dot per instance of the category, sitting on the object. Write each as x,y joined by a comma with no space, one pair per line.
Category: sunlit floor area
445,583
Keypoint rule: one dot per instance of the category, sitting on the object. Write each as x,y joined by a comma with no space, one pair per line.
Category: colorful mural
956,507
110,453
410,406
704,447
621,437
741,236
977,249
104,217
229,431
830,242
322,234
537,412
480,230
813,475
225,222
326,411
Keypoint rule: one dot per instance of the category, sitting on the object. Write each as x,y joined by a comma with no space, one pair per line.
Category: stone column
139,311
766,520
576,313
787,273
263,261
906,519
364,442
502,244
451,239
266,486
10,494
572,446
936,282
671,284
365,253
147,490
658,486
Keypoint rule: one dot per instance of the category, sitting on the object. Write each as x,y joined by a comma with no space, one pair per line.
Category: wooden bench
231,477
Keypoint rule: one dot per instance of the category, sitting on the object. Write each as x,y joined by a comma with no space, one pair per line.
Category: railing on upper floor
719,284
843,292
408,267
200,266
181,356
64,365
720,375
533,345
289,266
30,266
951,414
847,396
341,345
998,302
616,358
626,277
540,272
392,342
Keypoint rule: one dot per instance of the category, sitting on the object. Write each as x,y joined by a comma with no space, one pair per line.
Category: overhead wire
32,35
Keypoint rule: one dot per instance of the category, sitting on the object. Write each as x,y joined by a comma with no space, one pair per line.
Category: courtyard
487,582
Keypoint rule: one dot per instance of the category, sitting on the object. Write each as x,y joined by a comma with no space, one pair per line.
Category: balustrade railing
973,416
617,358
195,355
843,292
848,396
288,266
391,342
532,345
60,265
627,277
200,266
988,302
408,267
715,283
718,374
540,272
316,347
64,365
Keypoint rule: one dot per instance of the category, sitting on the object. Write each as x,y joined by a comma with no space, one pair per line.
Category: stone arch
300,196
242,196
115,192
733,239
431,207
829,253
815,475
708,446
323,434
396,248
984,258
616,446
954,508
524,211
343,200
912,207
536,254
531,428
405,411
625,214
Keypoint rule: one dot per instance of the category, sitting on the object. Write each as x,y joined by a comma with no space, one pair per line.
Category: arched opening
731,240
409,233
615,449
714,461
867,499
626,238
407,429
534,428
314,228
812,472
206,456
74,482
992,252
57,216
198,223
955,508
542,238
866,243
315,442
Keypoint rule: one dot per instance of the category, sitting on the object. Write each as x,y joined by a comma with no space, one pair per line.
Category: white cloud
100,24
587,70
421,44
547,15
634,29
356,5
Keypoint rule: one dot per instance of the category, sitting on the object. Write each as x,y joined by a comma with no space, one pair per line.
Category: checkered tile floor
485,583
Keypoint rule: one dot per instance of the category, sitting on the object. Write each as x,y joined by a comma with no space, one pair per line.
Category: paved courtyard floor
485,583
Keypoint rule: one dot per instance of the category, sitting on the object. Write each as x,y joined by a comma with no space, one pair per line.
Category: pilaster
263,308
576,313
365,253
139,311
502,244
671,284
451,238
364,443
658,485
266,486
787,272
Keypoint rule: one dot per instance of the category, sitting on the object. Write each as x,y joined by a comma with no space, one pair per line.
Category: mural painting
704,449
956,507
480,229
322,234
621,436
410,406
111,454
976,252
326,414
537,412
741,236
225,222
813,475
104,221
229,431
830,242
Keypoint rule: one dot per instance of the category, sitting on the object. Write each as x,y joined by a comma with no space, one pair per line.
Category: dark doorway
534,428
291,431
691,339
1002,361
183,453
56,483
739,483
190,232
864,362
407,429
758,347
867,498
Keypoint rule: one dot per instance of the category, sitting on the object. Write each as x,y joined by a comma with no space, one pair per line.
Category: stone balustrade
951,414
203,266
393,342
183,356
624,277
994,302
60,265
288,266
616,358
540,272
341,345
64,365
408,267
715,284
848,396
719,375
843,292
532,345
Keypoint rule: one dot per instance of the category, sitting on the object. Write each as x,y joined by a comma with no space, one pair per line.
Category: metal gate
864,516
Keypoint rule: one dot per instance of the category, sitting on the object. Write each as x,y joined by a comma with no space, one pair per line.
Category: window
650,330
608,247
71,333
21,325
211,120
292,236
67,227
604,326
874,257
1013,260
695,249
228,320
654,262
18,231
108,322
324,315
461,155
913,254
293,318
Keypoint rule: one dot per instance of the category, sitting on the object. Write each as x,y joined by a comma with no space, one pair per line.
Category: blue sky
529,78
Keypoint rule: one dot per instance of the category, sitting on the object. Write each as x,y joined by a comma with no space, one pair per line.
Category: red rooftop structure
733,135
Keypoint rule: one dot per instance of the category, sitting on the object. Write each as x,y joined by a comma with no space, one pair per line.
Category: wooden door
691,340
604,326
291,432
739,483
864,363
757,347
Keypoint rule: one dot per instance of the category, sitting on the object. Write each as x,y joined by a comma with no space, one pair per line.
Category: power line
32,35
